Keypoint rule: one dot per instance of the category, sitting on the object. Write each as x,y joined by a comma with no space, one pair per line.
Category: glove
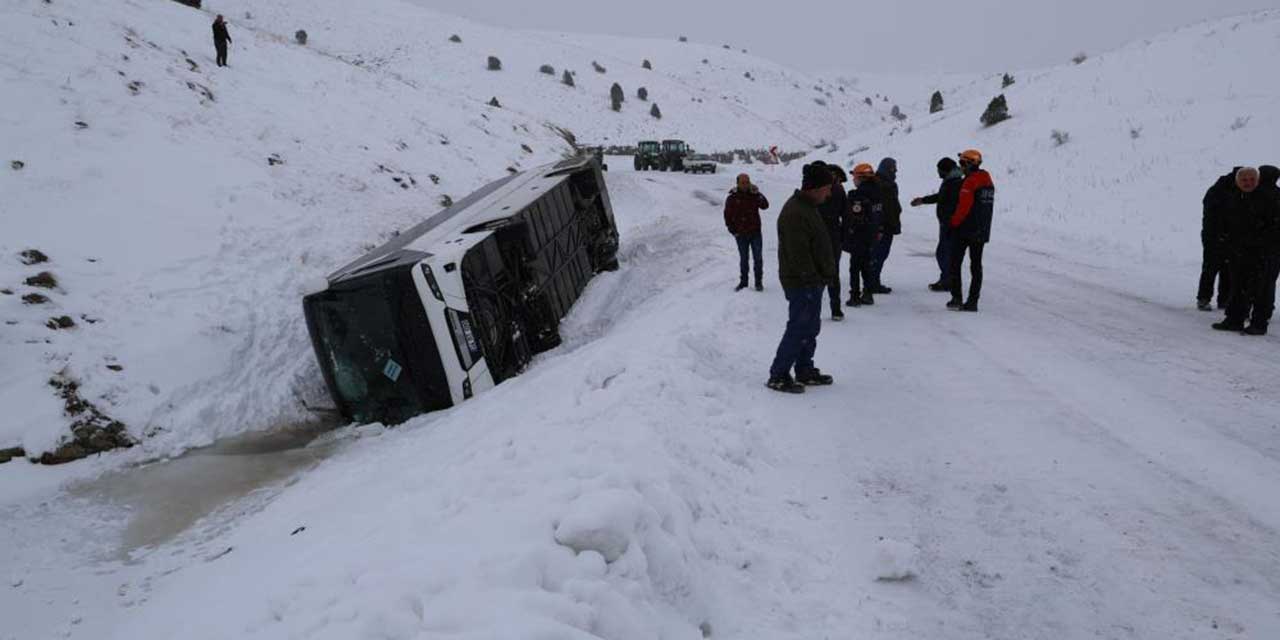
915,202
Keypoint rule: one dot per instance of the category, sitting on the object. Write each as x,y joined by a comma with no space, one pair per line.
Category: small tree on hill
493,102
897,113
597,66
1007,81
455,38
616,96
547,69
935,103
655,111
642,93
997,111
647,65
567,78
1079,58
495,64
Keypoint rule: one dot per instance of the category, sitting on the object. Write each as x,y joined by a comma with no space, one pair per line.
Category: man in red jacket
742,217
970,229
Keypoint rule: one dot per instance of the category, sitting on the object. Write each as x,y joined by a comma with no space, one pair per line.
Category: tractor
648,155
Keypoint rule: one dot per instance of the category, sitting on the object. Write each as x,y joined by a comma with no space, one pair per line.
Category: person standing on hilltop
220,40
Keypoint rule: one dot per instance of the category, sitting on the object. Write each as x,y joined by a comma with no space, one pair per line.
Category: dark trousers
879,255
800,340
1253,289
221,48
943,252
1214,267
752,243
860,272
957,249
833,287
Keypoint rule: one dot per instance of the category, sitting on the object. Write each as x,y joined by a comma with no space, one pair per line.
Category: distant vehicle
648,155
673,154
701,163
462,301
595,151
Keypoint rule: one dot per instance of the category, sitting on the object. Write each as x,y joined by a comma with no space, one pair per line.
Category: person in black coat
1213,266
220,40
1251,222
862,226
887,178
833,213
946,198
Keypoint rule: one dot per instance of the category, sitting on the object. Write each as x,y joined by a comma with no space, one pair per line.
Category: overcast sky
887,35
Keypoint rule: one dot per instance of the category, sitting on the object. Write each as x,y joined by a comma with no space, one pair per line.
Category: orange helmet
972,156
864,170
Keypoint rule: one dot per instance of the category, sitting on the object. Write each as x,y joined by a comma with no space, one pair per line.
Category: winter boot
867,300
1204,305
742,284
854,300
954,304
759,287
970,306
1229,325
940,286
836,314
881,289
785,384
1255,329
814,378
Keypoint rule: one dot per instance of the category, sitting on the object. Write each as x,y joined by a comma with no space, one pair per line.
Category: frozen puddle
164,499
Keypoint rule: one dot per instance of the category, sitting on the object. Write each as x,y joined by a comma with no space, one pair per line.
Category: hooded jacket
834,211
887,174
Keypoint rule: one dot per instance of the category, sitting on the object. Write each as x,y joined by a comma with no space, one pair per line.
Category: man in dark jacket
805,266
861,231
1250,217
946,198
742,217
220,40
1214,244
1268,176
833,213
887,176
970,229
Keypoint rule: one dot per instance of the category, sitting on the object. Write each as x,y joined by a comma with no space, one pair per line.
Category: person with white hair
1251,222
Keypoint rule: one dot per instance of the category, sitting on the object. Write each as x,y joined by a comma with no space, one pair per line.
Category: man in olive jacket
806,265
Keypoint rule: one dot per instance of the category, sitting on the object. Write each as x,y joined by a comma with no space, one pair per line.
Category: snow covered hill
1146,130
185,207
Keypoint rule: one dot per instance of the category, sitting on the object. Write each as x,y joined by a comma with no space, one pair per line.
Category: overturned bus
462,301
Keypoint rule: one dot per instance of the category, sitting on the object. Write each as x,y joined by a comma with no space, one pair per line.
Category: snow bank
1151,126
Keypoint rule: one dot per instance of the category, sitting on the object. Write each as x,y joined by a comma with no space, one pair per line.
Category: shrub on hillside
567,78
646,65
300,36
495,64
897,113
616,97
642,93
935,102
455,38
867,101
1060,137
1007,81
655,111
1079,58
598,67
997,111
684,39
547,69
493,102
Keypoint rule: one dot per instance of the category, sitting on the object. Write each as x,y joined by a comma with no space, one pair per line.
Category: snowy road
1082,459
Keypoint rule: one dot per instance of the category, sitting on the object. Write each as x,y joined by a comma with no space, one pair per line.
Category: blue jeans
753,243
879,254
800,340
